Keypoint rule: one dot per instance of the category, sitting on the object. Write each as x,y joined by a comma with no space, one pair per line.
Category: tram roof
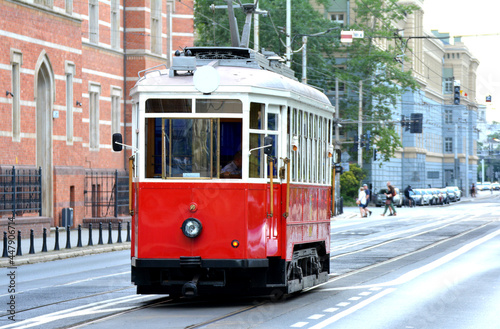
232,73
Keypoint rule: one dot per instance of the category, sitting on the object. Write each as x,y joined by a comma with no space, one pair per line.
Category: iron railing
20,190
106,194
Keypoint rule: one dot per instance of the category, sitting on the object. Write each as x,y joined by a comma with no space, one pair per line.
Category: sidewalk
64,252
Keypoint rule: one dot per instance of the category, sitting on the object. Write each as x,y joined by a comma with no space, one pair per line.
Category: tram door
265,125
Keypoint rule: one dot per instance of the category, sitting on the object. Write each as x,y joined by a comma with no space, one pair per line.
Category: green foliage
350,182
384,80
212,29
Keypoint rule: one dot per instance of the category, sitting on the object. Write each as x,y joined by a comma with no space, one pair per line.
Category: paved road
427,268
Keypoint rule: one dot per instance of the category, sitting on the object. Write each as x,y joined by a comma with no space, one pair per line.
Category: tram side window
230,148
189,148
181,148
256,159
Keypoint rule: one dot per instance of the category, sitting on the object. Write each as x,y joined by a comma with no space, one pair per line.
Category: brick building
65,71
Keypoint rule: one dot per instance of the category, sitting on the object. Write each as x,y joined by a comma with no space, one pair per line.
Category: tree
384,80
350,182
374,60
212,29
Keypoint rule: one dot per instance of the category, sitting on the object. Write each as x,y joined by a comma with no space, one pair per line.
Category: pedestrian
391,192
473,191
368,198
361,201
408,196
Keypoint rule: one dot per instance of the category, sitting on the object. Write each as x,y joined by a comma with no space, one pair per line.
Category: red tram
257,225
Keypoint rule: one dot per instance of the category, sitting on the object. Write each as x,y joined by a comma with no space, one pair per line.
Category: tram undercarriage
273,276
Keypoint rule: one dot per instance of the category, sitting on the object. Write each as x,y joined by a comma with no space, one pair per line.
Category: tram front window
191,148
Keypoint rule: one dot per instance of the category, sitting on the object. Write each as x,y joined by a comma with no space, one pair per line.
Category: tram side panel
309,220
165,206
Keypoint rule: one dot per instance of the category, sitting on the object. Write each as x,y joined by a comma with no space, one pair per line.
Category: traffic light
374,154
405,123
456,95
416,123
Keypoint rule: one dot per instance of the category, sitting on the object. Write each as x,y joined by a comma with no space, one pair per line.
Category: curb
62,254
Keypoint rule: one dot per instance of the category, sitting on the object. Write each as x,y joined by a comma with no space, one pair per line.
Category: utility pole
288,33
360,125
304,60
256,27
466,158
455,149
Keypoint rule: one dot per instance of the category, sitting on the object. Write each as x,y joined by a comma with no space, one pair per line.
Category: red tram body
197,229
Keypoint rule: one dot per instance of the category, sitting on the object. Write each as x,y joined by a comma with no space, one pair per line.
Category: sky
479,18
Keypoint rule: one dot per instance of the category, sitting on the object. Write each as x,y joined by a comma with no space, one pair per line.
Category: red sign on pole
346,36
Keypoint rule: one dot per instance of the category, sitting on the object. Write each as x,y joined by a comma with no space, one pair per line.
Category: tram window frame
210,135
258,129
169,105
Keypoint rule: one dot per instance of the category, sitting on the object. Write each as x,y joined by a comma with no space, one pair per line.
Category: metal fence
106,194
20,190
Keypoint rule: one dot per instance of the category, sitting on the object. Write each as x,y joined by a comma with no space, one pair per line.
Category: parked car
443,196
451,194
417,197
484,187
495,186
434,199
420,197
380,198
458,192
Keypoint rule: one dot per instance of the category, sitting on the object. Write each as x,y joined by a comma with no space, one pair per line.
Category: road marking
84,310
354,298
331,310
365,293
411,275
94,278
342,304
299,324
316,316
353,309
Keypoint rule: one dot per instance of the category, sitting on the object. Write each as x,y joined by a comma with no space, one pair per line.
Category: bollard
90,235
110,237
56,245
79,244
68,238
128,231
19,250
119,232
5,253
44,243
32,242
100,233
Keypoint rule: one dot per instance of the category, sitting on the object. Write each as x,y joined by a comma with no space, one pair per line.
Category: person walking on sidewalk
368,198
361,201
391,192
409,199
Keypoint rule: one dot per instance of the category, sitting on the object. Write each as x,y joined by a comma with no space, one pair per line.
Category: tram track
432,226
393,240
66,301
399,235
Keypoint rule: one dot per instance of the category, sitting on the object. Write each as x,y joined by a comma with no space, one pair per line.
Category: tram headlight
191,227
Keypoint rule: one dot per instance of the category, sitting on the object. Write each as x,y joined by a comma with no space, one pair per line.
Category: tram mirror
117,142
268,142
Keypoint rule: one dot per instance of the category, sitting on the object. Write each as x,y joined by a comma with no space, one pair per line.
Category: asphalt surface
96,248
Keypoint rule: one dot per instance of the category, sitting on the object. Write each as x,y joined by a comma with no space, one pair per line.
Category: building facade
66,69
445,153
